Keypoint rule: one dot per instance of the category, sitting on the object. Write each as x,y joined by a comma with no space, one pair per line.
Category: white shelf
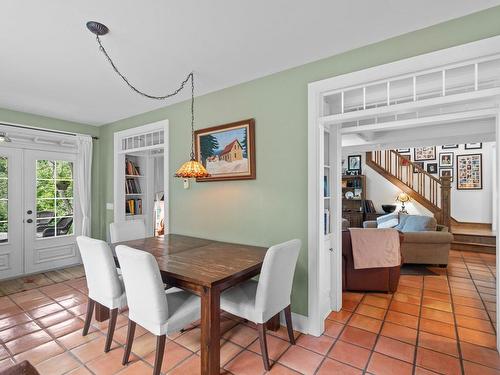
326,166
133,176
131,194
326,197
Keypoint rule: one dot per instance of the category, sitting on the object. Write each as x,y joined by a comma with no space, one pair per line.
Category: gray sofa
424,241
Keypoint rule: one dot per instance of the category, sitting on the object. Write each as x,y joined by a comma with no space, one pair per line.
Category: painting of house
227,151
232,152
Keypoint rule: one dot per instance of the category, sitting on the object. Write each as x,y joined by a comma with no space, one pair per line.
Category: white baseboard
300,322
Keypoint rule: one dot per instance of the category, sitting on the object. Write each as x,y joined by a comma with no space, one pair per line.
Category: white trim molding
321,122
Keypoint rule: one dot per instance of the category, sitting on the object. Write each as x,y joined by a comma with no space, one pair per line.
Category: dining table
206,268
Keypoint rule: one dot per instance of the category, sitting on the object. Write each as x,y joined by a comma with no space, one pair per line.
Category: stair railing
419,184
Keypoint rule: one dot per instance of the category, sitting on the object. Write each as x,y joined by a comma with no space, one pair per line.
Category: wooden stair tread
474,244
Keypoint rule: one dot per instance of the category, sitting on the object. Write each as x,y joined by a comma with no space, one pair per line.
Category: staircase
433,194
429,191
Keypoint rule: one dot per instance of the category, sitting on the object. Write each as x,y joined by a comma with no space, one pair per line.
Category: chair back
100,269
127,230
276,278
146,298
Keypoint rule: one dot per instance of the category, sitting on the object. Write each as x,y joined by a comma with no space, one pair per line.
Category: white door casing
317,120
11,250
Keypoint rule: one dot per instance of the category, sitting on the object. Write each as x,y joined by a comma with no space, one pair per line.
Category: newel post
446,201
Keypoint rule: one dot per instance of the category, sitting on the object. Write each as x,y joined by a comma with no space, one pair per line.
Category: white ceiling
50,64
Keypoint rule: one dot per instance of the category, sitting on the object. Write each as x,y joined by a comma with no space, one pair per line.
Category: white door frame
316,124
118,171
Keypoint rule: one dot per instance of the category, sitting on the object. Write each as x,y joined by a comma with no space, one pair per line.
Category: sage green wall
23,118
272,208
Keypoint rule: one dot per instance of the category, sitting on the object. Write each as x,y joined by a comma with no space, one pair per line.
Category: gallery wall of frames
469,165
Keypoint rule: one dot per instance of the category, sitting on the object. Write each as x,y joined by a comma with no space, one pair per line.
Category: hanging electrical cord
199,171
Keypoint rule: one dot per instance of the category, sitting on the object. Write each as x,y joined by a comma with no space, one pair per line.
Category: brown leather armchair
367,279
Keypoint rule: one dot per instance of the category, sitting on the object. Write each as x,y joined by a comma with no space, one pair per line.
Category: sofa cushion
419,223
387,221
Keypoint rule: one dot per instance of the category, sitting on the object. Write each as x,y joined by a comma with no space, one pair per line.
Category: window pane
4,184
45,189
65,226
45,208
64,188
44,228
4,213
3,167
4,229
64,207
45,169
64,170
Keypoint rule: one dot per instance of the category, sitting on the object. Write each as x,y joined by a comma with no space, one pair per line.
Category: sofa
424,241
384,279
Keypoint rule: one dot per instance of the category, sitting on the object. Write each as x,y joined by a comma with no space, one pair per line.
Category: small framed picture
403,150
473,146
418,164
446,172
425,153
354,163
448,147
446,159
432,168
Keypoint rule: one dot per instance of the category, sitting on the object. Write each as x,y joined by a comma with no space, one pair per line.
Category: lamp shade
403,197
192,169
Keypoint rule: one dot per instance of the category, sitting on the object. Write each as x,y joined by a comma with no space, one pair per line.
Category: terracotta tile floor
433,324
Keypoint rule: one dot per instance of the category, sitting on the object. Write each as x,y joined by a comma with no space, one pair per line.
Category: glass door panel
11,206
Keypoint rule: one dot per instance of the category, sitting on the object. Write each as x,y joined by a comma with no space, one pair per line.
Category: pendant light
191,168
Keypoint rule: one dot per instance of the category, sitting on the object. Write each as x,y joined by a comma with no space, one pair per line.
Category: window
54,198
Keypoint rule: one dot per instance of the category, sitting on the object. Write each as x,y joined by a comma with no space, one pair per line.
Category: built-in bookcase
141,177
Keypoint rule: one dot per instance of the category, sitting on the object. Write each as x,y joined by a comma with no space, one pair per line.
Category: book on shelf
132,186
133,206
327,221
131,168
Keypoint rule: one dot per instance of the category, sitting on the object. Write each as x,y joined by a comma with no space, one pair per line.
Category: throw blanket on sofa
375,248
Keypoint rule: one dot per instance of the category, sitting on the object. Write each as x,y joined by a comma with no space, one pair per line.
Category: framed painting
419,164
470,172
473,146
432,168
446,172
354,163
446,159
227,151
403,150
447,147
425,153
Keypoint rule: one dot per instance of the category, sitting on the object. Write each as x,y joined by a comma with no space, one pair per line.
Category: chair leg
130,340
160,348
111,329
263,345
289,326
88,317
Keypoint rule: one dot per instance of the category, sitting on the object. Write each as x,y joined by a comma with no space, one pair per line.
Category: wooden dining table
205,268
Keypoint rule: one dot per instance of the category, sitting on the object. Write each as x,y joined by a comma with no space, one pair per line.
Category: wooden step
474,238
476,247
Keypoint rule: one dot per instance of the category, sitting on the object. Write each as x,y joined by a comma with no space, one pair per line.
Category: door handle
29,212
330,249
29,221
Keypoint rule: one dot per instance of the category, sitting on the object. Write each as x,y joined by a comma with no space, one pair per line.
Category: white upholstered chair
127,230
259,301
160,312
103,282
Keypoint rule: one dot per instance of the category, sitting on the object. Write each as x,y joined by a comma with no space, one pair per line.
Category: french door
39,211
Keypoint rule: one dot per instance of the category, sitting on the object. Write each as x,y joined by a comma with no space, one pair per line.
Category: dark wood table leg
273,324
101,312
210,331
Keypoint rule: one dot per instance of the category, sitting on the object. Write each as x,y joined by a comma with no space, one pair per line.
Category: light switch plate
109,206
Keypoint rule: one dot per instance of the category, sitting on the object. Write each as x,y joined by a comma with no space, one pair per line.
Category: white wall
466,205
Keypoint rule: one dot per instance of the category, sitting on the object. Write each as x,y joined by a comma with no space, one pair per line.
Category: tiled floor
433,324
